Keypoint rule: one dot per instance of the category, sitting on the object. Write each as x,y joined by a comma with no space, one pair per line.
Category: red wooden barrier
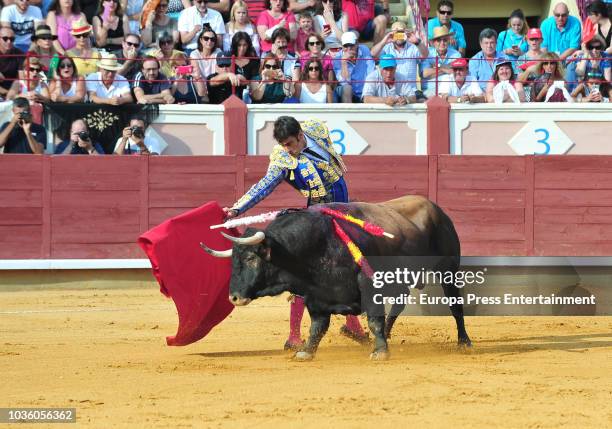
81,207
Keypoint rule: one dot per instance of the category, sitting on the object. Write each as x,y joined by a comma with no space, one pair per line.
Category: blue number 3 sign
338,141
543,141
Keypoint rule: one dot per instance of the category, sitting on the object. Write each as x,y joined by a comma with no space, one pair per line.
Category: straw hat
440,32
109,62
43,31
80,26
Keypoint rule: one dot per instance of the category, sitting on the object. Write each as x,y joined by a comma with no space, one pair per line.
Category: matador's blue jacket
317,179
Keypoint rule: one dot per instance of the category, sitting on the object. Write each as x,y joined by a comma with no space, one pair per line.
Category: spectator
175,7
110,25
240,21
330,21
245,61
79,141
481,64
203,59
185,89
352,67
512,41
384,85
23,19
444,12
133,140
438,61
396,44
192,20
302,6
593,57
151,86
12,58
305,28
166,54
20,135
599,15
312,88
460,87
314,49
280,48
30,84
42,46
158,23
562,34
89,8
549,74
274,17
366,18
589,91
223,82
133,13
502,88
67,86
271,85
85,57
129,57
106,86
60,19
534,40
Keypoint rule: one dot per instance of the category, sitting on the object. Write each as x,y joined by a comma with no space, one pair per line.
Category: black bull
300,253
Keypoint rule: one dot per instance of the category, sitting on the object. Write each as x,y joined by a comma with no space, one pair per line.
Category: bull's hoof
303,356
380,355
464,343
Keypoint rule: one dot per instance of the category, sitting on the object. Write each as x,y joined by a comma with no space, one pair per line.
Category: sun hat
108,62
80,26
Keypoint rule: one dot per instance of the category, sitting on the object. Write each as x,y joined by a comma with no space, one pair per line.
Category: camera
137,132
83,135
25,116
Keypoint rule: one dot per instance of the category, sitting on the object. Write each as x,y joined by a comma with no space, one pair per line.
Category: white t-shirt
375,86
119,87
154,145
450,88
191,17
22,24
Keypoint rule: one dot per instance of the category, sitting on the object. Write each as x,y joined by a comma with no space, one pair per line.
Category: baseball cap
459,63
387,60
534,33
349,38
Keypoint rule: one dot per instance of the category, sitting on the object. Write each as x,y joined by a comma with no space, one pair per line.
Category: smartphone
515,47
184,70
326,27
399,36
595,88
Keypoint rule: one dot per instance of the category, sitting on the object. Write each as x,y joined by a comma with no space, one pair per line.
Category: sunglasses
135,45
561,15
8,39
200,1
317,43
47,38
596,47
34,69
270,66
82,36
445,12
313,69
166,42
208,39
348,46
65,65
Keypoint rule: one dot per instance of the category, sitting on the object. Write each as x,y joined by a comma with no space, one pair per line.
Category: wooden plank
83,235
20,234
374,163
101,199
96,251
46,178
21,215
168,165
432,178
493,248
21,198
481,198
574,172
486,215
573,198
529,204
159,214
567,215
20,172
565,248
477,172
490,232
188,198
200,181
573,233
29,250
92,217
95,173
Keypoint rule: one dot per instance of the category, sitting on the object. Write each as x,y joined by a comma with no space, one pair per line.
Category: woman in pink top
60,19
276,15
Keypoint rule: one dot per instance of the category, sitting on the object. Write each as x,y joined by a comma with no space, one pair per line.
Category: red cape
197,282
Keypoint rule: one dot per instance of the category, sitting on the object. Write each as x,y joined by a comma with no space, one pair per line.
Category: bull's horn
248,241
217,253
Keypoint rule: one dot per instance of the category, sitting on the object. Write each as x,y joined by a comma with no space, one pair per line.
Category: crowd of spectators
314,51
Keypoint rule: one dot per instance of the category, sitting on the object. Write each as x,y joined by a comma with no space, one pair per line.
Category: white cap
349,38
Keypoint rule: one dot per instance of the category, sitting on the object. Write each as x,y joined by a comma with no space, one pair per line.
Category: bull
299,252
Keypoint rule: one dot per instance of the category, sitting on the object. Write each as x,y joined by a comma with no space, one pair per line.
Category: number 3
543,141
339,141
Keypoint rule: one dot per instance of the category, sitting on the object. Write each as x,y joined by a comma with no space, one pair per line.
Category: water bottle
246,97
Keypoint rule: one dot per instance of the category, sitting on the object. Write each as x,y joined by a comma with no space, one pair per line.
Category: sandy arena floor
104,352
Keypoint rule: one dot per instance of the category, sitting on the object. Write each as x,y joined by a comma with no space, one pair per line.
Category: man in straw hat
406,46
106,86
438,63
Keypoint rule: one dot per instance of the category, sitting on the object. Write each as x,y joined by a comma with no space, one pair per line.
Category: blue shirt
507,39
406,60
560,41
362,67
481,69
455,27
430,63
